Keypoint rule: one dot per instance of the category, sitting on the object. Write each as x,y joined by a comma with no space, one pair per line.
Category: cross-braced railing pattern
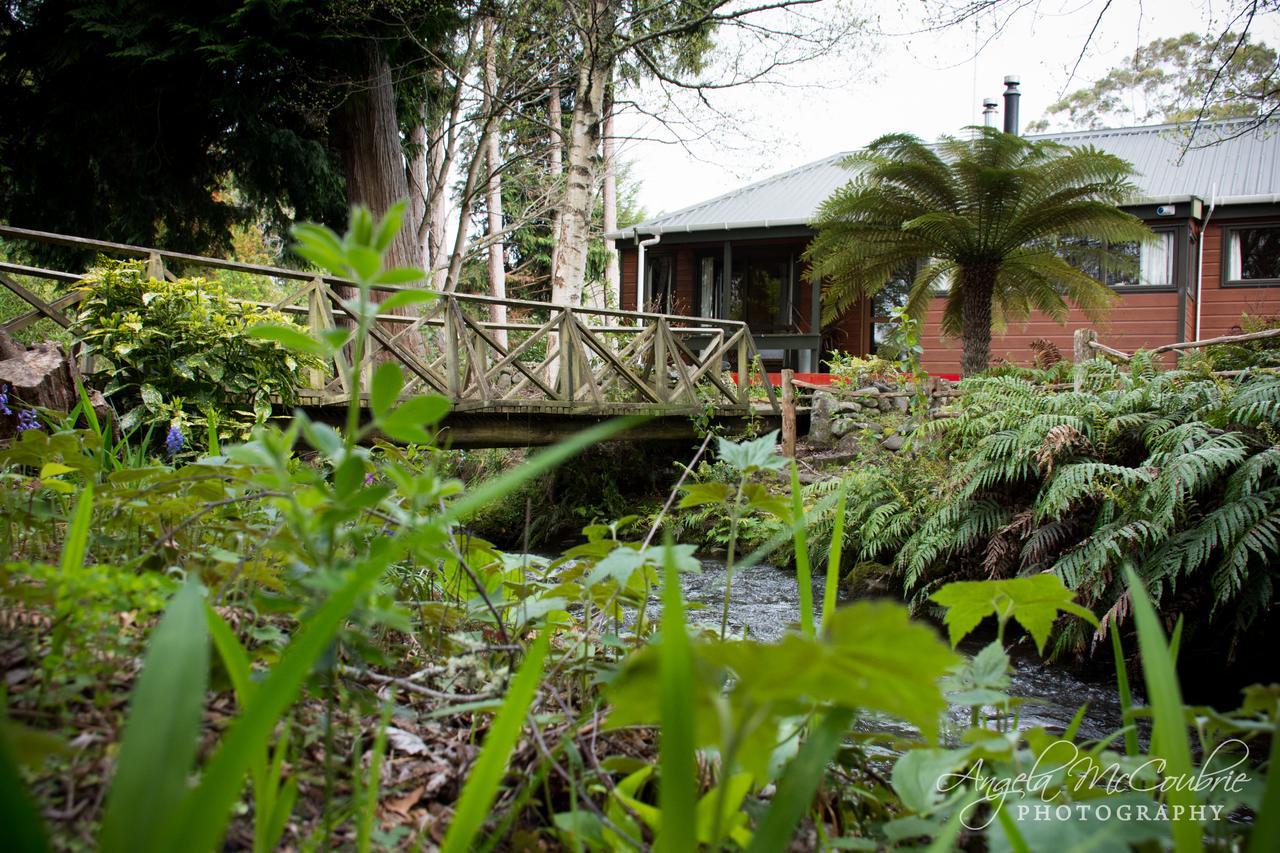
542,357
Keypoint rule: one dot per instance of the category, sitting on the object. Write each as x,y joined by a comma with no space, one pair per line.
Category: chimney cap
990,103
1011,80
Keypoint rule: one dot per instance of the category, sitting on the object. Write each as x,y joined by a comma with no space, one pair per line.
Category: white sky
923,83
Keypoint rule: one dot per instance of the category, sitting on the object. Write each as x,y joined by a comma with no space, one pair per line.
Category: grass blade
804,573
161,731
1169,739
201,819
19,815
833,556
482,784
678,788
77,544
234,658
1126,695
369,792
799,782
1266,830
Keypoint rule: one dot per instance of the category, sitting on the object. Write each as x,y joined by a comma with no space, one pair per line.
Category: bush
177,352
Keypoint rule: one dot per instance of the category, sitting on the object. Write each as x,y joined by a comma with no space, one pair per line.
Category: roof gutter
633,233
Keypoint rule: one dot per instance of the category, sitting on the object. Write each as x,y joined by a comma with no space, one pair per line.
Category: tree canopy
167,122
985,220
1184,78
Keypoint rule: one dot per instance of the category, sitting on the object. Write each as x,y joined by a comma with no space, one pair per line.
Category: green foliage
1176,79
984,217
855,372
177,351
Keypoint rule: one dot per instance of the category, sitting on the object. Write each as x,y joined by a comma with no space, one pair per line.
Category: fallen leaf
401,805
405,741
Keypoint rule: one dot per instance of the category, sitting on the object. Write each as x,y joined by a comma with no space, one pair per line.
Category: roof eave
654,230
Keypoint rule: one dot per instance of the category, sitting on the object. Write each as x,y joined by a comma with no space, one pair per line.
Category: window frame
1224,265
1172,286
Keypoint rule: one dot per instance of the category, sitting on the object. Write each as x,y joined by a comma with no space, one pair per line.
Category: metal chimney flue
1011,98
989,106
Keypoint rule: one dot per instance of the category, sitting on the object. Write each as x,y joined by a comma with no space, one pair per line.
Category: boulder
821,414
893,442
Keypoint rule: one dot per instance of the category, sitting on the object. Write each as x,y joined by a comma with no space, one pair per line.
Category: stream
766,600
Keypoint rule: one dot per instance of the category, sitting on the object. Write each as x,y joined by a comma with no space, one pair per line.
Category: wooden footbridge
543,372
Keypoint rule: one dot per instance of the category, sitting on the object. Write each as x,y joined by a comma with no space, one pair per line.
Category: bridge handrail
663,364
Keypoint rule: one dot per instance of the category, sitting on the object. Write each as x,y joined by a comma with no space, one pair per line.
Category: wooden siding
1138,320
627,276
1223,306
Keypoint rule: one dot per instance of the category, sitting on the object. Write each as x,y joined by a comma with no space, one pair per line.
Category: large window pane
1155,264
1253,254
760,290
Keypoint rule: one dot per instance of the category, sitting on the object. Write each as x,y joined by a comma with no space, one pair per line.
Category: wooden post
660,360
1082,353
788,413
315,322
155,266
744,369
452,365
567,356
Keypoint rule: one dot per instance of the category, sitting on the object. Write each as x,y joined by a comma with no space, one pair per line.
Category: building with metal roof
1232,162
1212,196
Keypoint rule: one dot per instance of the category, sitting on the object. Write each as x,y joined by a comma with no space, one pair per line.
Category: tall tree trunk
372,156
594,71
368,133
609,191
555,118
976,289
418,170
437,206
493,195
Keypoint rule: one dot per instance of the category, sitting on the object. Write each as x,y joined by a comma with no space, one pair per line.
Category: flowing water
765,603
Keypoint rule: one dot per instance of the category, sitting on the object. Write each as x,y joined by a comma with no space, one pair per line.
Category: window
708,286
760,290
892,295
1253,254
1154,261
660,274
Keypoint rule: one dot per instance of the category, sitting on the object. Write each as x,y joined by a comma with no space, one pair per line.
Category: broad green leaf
365,262
389,226
388,379
1169,739
871,656
799,782
1034,601
923,777
678,786
288,336
54,469
161,731
1266,830
408,421
1125,693
705,493
482,783
747,456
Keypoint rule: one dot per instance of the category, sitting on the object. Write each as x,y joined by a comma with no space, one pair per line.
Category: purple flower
27,420
4,400
368,479
174,441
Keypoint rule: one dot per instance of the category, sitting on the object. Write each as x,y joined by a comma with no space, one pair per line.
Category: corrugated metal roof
1241,166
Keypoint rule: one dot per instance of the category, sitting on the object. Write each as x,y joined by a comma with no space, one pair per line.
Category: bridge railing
481,352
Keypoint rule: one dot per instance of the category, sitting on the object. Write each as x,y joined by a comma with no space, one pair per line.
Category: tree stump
41,377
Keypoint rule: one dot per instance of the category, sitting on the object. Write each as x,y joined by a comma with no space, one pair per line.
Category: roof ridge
656,220
1153,128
